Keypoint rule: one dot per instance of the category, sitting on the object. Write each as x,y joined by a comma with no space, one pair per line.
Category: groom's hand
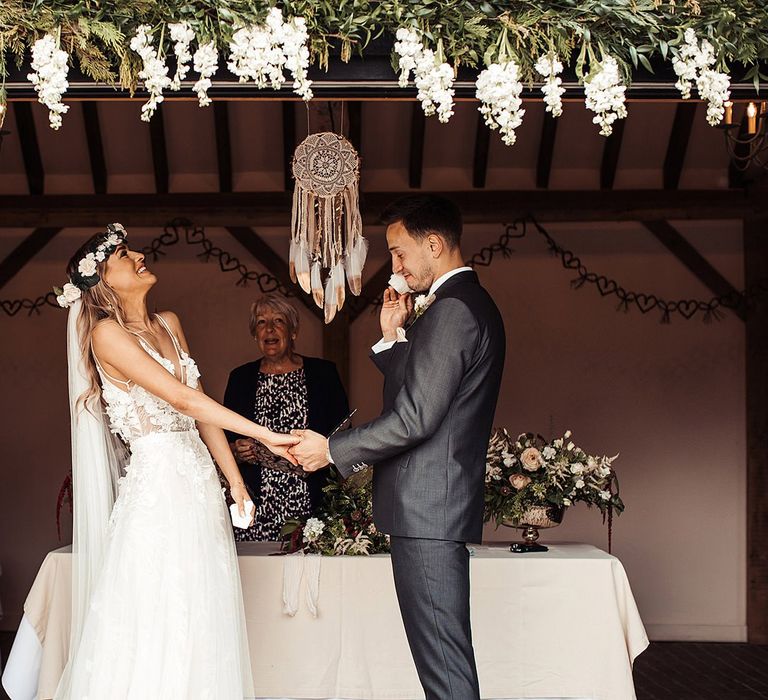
395,310
312,452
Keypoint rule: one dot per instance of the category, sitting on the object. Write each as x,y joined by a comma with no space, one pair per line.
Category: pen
338,427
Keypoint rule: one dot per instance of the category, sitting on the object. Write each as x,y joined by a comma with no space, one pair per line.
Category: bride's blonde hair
99,302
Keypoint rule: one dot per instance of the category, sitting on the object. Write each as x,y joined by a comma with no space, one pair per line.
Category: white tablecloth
560,624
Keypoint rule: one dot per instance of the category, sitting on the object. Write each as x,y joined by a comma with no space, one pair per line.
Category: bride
157,605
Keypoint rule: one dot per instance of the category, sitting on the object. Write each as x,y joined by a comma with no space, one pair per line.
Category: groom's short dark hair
422,214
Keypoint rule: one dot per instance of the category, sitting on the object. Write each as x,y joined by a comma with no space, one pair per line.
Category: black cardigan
327,406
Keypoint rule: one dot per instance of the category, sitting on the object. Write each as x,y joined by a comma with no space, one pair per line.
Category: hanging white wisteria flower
714,87
408,47
295,40
604,95
182,36
49,76
206,62
255,56
154,72
434,80
498,89
432,75
549,66
686,64
694,64
262,52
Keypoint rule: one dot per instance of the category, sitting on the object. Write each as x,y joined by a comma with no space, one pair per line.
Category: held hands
395,310
280,444
312,452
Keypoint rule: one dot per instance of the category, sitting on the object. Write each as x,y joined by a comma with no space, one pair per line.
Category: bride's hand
280,444
240,496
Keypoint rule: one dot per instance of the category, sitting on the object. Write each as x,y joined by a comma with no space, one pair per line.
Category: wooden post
336,344
756,270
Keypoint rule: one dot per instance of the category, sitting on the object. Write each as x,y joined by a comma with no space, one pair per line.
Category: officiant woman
283,391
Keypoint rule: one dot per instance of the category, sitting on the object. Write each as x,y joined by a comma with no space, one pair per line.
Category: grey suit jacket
429,445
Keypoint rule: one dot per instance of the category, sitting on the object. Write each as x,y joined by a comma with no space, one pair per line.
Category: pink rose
519,481
531,459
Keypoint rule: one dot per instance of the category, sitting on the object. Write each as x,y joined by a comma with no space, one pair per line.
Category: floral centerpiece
529,473
344,524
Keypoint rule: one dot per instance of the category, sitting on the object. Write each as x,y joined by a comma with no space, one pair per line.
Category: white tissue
398,283
242,521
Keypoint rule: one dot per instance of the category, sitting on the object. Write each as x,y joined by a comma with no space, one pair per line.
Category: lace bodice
134,412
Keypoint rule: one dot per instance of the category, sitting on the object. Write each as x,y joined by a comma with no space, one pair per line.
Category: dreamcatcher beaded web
326,227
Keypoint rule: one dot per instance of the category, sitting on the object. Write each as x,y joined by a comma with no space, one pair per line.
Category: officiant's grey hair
277,305
423,214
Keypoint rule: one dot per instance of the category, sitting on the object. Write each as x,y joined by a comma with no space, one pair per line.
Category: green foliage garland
97,32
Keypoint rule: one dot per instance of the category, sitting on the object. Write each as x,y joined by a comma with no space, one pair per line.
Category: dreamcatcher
326,227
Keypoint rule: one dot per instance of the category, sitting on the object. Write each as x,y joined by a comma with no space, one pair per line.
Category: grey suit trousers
432,584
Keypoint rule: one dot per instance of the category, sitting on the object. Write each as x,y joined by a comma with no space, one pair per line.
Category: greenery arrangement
345,523
97,34
529,471
520,473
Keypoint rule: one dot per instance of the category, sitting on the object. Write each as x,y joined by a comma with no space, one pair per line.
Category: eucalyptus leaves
511,43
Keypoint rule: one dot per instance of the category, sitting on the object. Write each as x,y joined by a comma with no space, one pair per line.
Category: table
560,624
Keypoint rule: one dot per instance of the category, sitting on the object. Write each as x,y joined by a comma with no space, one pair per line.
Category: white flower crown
87,275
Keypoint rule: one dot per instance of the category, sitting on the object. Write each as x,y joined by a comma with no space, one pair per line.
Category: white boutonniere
421,303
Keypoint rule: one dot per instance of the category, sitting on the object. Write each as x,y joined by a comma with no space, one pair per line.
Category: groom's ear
436,244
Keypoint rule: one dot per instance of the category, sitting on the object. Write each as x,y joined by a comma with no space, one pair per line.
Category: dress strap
176,345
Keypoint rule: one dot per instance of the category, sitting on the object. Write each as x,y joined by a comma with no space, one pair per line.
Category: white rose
579,483
87,266
531,459
577,468
70,292
313,529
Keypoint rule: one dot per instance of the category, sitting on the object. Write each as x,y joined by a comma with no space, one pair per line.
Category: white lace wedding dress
166,619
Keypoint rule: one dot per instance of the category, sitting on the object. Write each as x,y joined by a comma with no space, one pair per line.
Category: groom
442,365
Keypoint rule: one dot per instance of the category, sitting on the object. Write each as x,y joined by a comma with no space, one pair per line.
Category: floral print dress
280,405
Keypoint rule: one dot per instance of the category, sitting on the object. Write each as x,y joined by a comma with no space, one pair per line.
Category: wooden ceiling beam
416,152
355,120
95,147
289,143
30,149
478,206
677,147
611,155
482,147
696,263
24,252
272,261
223,145
546,150
159,152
